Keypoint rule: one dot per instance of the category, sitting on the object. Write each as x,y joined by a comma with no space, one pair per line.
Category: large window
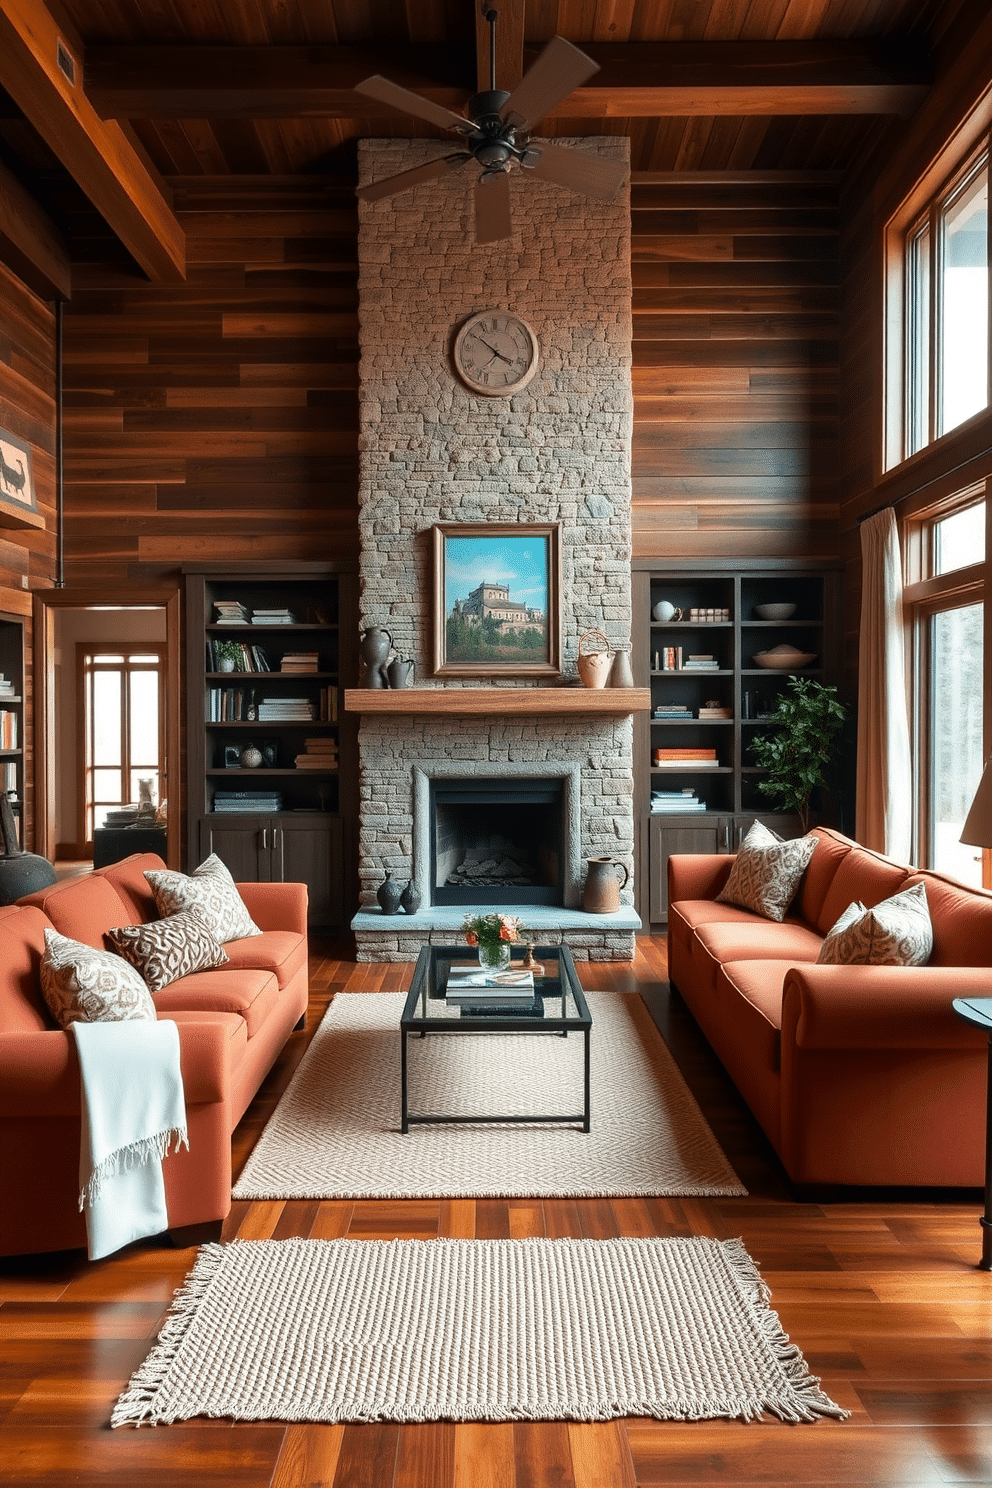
122,716
946,612
938,361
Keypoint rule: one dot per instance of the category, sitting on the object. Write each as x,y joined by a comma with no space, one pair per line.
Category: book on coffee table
472,983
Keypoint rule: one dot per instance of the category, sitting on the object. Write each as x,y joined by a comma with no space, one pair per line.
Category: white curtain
884,815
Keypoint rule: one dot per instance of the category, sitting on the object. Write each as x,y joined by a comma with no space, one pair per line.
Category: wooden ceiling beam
657,79
132,198
30,244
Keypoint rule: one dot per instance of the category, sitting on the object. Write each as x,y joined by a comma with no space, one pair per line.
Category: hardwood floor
880,1292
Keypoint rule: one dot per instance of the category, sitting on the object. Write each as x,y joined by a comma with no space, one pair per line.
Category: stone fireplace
433,451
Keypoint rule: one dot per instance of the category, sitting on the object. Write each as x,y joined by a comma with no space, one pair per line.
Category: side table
978,1012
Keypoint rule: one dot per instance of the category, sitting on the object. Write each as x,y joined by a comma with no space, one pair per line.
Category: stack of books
6,686
715,710
473,989
230,612
247,800
318,754
278,615
279,709
672,710
299,661
8,777
703,662
675,802
683,758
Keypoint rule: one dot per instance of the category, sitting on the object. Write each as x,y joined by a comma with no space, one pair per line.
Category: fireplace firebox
497,841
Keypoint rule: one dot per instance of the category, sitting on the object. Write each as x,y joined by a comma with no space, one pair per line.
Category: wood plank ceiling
264,87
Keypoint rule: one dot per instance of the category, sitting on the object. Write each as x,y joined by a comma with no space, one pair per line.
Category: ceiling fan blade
412,103
559,69
390,185
592,175
492,207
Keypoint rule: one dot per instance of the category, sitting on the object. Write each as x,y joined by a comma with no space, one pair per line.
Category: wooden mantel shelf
505,701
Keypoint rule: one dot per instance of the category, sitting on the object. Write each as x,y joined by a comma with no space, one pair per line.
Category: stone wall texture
432,451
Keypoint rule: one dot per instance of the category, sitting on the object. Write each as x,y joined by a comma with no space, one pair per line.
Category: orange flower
505,933
471,938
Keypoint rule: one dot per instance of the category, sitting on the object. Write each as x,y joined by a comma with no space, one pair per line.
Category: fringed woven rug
335,1132
480,1330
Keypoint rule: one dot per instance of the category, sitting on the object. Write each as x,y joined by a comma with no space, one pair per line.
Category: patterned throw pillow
211,891
165,950
896,932
84,985
766,872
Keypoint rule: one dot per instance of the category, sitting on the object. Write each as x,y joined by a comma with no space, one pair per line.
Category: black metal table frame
978,1012
420,992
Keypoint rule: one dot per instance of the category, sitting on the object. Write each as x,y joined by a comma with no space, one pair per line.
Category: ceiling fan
496,135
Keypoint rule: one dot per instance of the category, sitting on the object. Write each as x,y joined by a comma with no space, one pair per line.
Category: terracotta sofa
232,1021
857,1074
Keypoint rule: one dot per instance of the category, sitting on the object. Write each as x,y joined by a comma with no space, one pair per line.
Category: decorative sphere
664,610
251,757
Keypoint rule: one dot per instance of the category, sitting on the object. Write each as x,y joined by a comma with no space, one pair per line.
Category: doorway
72,622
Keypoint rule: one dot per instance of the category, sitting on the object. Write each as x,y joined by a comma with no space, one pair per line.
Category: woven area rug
493,1330
335,1132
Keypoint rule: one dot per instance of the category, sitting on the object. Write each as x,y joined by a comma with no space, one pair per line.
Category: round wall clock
495,353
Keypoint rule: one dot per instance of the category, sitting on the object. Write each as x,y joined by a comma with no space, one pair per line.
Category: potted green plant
802,744
228,656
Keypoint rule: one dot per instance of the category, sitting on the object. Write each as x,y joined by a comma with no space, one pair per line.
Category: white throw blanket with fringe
133,1109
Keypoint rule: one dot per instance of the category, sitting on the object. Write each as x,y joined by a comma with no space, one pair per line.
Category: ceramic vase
620,672
388,894
410,898
601,894
374,648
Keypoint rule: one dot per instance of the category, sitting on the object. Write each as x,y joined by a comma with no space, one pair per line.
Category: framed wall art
16,480
497,599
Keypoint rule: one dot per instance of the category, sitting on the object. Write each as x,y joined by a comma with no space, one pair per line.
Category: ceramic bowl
775,611
784,658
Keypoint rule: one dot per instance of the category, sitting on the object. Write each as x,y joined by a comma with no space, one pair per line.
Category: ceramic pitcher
601,894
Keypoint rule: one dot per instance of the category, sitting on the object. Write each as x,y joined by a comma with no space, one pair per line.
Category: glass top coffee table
559,1008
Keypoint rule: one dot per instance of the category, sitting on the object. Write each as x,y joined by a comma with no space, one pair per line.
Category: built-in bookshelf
267,748
702,638
12,712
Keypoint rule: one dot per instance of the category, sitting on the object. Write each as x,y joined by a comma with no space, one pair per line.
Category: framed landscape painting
497,599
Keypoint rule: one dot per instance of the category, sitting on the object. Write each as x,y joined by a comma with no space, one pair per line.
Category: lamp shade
977,830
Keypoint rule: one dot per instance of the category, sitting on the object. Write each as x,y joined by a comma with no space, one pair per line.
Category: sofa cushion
831,850
165,950
861,875
896,932
83,908
22,945
756,939
749,1005
128,879
962,921
252,994
283,952
85,985
766,872
211,890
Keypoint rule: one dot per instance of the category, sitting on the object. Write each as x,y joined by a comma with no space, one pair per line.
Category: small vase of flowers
494,934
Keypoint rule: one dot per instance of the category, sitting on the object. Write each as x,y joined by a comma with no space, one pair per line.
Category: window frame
922,210
925,595
126,649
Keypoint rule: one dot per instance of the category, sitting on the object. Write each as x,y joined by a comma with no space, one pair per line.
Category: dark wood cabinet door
243,844
307,848
680,834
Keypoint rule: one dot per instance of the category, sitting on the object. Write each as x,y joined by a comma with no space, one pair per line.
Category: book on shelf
716,713
247,801
276,616
686,764
275,709
230,612
673,808
328,705
671,658
300,661
8,729
8,775
689,752
261,661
